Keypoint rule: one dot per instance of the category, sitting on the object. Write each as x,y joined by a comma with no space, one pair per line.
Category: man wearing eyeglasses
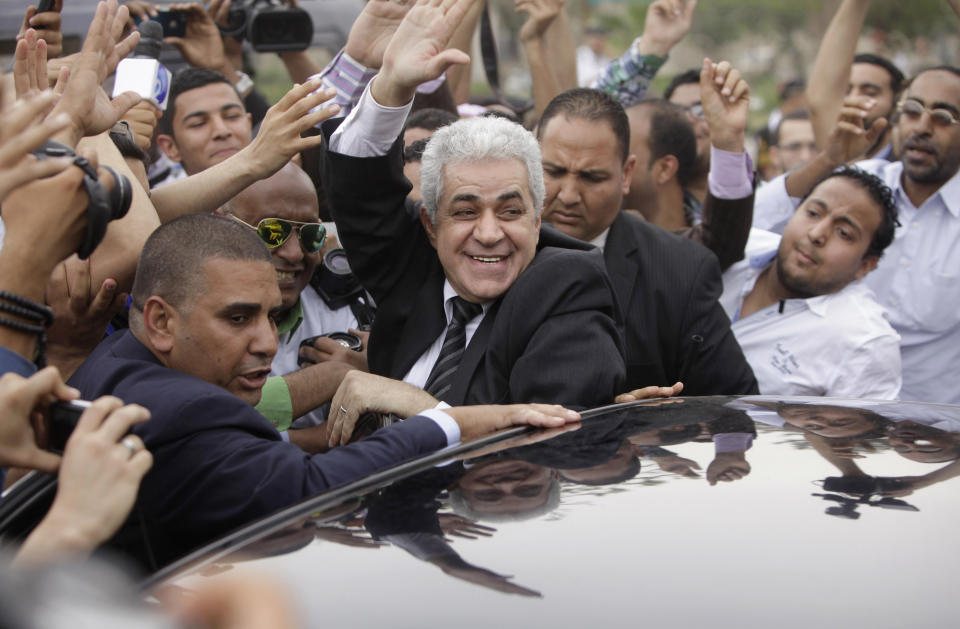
917,279
282,210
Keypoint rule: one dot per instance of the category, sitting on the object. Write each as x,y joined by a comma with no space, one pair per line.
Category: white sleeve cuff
370,129
446,423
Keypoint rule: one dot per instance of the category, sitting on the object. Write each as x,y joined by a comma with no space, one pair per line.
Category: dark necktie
454,342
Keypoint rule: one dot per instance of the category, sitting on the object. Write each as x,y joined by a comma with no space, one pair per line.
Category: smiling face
835,422
210,125
487,229
824,244
930,151
584,175
225,335
289,195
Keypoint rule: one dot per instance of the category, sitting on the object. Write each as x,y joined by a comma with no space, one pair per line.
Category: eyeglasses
940,116
275,231
695,110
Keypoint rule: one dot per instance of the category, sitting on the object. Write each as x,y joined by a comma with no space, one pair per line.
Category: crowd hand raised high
90,110
24,127
279,138
540,14
47,27
649,393
725,97
850,139
372,30
667,22
202,45
418,51
142,119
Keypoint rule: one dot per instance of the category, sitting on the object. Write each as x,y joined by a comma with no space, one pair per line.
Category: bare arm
314,386
541,14
831,69
278,141
458,76
563,52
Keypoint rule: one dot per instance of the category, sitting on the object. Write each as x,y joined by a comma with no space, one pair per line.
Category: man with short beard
805,323
917,280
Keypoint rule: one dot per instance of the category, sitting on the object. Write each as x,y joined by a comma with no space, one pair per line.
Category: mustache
920,143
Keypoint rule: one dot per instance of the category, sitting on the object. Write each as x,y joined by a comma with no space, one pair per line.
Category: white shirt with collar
918,282
837,345
421,369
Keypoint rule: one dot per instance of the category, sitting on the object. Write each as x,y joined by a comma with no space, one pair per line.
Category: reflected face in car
830,421
924,444
506,487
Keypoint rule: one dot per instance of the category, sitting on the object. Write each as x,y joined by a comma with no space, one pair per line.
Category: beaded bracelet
40,315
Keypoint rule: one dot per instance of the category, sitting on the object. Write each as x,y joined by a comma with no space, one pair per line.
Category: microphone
141,72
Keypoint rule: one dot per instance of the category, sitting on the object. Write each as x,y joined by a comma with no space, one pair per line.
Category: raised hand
850,139
90,110
418,51
725,97
201,45
668,21
373,29
540,14
24,127
47,27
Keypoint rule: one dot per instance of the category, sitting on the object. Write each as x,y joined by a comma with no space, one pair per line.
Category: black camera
350,341
104,205
63,419
334,280
269,25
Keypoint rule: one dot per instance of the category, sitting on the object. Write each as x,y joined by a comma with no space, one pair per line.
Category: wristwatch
244,84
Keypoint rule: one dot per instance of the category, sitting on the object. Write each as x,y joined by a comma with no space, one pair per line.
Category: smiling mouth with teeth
488,260
285,275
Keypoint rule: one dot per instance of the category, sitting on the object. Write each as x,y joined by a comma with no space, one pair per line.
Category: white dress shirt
917,280
838,345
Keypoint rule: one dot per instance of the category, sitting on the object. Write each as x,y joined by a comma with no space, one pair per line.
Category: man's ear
428,226
169,147
628,167
665,169
868,264
160,321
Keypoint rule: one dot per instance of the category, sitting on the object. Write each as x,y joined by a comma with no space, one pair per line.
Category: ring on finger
343,410
131,445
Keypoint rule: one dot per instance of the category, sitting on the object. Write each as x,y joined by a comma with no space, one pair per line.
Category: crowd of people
294,296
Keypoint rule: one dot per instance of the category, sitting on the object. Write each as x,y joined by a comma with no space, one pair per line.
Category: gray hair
477,140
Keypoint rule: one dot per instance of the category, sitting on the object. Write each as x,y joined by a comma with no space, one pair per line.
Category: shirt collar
448,294
949,192
601,241
292,320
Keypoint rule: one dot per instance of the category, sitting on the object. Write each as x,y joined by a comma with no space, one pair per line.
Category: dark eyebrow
239,308
820,203
204,112
465,196
843,218
509,196
947,106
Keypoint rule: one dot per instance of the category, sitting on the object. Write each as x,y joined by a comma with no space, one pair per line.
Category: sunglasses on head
275,231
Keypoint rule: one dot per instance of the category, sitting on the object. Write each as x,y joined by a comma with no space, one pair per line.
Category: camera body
63,419
269,25
350,341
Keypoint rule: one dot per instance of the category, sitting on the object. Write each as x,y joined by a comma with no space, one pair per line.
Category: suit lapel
426,322
623,265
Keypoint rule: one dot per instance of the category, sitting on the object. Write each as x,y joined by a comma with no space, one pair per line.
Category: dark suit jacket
217,462
552,337
675,328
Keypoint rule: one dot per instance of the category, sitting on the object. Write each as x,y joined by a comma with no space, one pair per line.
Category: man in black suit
545,326
197,354
668,286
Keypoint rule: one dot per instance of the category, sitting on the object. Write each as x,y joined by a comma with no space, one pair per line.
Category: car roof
784,544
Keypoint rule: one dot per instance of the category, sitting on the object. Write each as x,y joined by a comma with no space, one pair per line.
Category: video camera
269,25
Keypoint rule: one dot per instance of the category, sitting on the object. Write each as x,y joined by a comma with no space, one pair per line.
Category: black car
688,512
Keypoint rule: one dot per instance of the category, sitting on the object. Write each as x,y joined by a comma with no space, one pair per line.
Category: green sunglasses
275,231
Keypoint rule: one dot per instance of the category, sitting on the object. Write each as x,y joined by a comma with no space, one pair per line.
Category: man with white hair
475,305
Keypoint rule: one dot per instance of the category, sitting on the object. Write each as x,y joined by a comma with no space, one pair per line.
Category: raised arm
831,69
540,15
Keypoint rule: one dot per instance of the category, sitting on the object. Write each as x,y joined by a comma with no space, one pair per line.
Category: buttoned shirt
838,345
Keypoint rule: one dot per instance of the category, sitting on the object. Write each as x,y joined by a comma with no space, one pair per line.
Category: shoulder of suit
664,242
